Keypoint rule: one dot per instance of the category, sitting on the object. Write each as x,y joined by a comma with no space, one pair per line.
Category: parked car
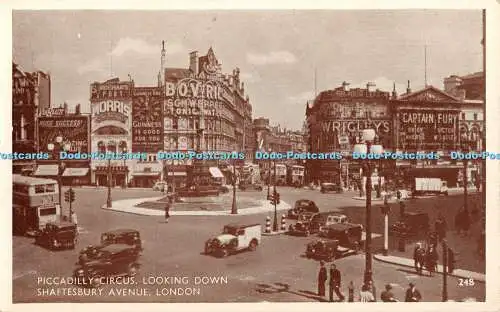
119,236
160,186
411,223
198,191
327,250
308,223
348,235
57,235
234,238
111,261
302,205
331,187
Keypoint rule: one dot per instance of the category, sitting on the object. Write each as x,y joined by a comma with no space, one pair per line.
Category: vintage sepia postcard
333,156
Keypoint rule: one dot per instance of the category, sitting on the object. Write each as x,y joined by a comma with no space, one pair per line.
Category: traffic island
274,233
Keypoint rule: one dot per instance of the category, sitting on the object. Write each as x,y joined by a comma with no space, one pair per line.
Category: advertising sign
114,113
194,97
22,90
147,120
73,129
111,89
428,129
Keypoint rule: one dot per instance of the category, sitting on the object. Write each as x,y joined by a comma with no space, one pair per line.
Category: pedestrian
466,222
167,211
387,295
365,295
412,294
372,289
440,227
431,259
74,220
335,282
419,257
351,292
322,277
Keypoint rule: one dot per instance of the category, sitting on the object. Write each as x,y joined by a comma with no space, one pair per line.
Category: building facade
30,97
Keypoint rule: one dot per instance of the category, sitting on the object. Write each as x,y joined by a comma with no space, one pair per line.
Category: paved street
275,272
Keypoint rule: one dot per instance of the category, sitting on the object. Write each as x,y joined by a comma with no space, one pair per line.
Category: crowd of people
367,292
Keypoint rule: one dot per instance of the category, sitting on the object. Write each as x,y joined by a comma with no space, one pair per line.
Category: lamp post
465,148
269,180
445,271
234,209
275,223
386,226
108,201
58,147
368,136
125,181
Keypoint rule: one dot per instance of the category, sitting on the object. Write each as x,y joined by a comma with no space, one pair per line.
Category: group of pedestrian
367,292
427,259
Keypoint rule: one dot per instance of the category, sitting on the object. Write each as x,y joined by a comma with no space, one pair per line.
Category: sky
279,53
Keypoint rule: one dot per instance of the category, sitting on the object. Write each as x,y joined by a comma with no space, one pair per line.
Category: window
50,188
463,116
191,123
39,189
47,212
475,116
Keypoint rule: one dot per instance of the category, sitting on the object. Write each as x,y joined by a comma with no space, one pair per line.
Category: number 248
466,282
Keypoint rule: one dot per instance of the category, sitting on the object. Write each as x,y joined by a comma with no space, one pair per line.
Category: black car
411,223
308,223
111,261
122,236
57,235
250,187
331,187
326,250
348,235
302,205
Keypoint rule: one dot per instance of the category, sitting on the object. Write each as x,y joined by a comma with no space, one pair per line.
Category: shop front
145,179
116,175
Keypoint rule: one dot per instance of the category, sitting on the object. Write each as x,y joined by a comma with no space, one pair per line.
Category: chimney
345,86
370,87
408,89
193,62
77,109
451,83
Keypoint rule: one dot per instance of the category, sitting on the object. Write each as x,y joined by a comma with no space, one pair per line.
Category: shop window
463,116
50,188
475,116
39,189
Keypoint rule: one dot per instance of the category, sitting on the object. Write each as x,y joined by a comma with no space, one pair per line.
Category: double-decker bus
280,174
295,176
35,202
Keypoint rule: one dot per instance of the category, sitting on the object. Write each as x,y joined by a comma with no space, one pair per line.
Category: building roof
428,90
177,73
474,75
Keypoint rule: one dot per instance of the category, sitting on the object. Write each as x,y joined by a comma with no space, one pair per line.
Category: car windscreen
230,230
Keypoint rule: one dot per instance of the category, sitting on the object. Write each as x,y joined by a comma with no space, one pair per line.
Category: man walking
387,295
335,280
322,277
419,257
167,211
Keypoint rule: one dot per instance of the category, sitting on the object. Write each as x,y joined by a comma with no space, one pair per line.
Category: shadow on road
285,288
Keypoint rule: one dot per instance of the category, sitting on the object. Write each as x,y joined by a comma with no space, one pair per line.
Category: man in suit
335,280
322,277
412,294
387,295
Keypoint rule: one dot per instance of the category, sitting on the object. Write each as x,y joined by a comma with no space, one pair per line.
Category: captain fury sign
147,120
428,129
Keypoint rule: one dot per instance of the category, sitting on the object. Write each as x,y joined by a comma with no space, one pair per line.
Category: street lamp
465,149
368,136
385,211
108,201
269,180
125,181
58,147
275,223
234,209
445,271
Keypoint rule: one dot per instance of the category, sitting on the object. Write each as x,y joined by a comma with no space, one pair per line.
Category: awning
145,174
47,170
215,172
75,172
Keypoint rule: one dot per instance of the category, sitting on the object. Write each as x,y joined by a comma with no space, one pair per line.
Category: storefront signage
112,89
59,111
354,126
110,110
74,130
22,90
428,129
354,93
147,120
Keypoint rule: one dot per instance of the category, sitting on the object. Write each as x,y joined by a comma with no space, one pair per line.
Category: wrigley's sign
350,126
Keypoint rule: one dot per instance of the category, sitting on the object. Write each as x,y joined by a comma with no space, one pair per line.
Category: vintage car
250,187
302,205
327,250
234,238
111,261
308,223
57,235
160,186
411,223
122,236
332,219
198,191
348,235
331,187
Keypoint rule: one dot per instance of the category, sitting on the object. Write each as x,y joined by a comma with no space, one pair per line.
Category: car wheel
253,245
224,253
